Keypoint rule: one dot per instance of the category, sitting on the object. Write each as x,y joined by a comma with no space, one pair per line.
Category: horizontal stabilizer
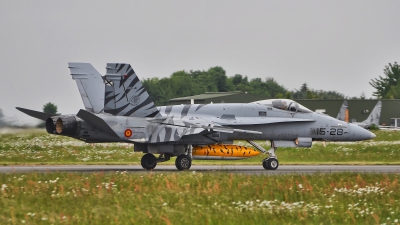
96,122
39,115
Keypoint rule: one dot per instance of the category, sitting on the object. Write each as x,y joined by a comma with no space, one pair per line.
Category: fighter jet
129,115
343,112
373,117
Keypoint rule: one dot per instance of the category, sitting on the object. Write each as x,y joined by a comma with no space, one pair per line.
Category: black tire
183,162
272,163
149,161
265,165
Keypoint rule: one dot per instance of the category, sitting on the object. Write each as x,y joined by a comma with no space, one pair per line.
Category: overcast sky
330,45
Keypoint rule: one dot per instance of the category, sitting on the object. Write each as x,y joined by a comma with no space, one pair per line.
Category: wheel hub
149,162
185,163
273,164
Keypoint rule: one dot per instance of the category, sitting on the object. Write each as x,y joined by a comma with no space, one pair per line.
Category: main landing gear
270,163
182,162
149,161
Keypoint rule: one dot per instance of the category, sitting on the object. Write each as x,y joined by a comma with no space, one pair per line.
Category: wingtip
20,109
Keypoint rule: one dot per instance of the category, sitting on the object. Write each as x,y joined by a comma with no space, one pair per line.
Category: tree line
188,83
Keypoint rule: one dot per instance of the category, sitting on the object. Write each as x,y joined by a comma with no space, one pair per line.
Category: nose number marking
332,131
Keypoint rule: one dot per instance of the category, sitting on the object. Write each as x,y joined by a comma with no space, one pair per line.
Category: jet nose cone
358,133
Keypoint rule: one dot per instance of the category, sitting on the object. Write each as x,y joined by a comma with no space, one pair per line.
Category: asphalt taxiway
247,169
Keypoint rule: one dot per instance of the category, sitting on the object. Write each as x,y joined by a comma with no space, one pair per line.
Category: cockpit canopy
284,104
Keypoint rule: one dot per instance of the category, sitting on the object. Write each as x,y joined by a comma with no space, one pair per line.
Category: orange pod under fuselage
224,152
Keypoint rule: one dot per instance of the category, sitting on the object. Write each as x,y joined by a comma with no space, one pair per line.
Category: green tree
301,93
309,95
219,76
393,93
2,119
362,96
390,80
50,108
288,95
186,83
274,88
238,79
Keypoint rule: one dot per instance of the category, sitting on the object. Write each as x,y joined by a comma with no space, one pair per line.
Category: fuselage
273,123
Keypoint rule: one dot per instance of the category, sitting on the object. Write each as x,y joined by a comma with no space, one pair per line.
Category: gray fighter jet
128,114
373,117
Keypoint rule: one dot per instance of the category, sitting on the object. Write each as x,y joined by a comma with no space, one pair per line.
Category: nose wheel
270,164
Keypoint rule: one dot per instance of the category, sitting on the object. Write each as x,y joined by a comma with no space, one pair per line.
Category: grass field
38,147
198,198
191,197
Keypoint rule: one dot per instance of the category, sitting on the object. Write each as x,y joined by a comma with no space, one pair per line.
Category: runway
246,169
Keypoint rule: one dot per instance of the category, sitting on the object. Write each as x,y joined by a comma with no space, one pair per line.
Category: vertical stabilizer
90,84
375,115
342,112
124,93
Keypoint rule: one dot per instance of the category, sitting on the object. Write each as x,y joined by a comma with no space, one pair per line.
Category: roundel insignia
128,133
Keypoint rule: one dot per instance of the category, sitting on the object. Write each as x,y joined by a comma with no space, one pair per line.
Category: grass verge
198,198
39,148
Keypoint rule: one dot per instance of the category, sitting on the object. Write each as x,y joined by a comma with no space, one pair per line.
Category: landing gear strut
270,163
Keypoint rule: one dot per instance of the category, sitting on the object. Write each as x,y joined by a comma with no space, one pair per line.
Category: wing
173,129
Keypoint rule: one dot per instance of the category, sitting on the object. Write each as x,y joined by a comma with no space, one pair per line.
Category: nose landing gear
270,163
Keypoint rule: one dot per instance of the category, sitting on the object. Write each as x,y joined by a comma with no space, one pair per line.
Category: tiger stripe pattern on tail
125,95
